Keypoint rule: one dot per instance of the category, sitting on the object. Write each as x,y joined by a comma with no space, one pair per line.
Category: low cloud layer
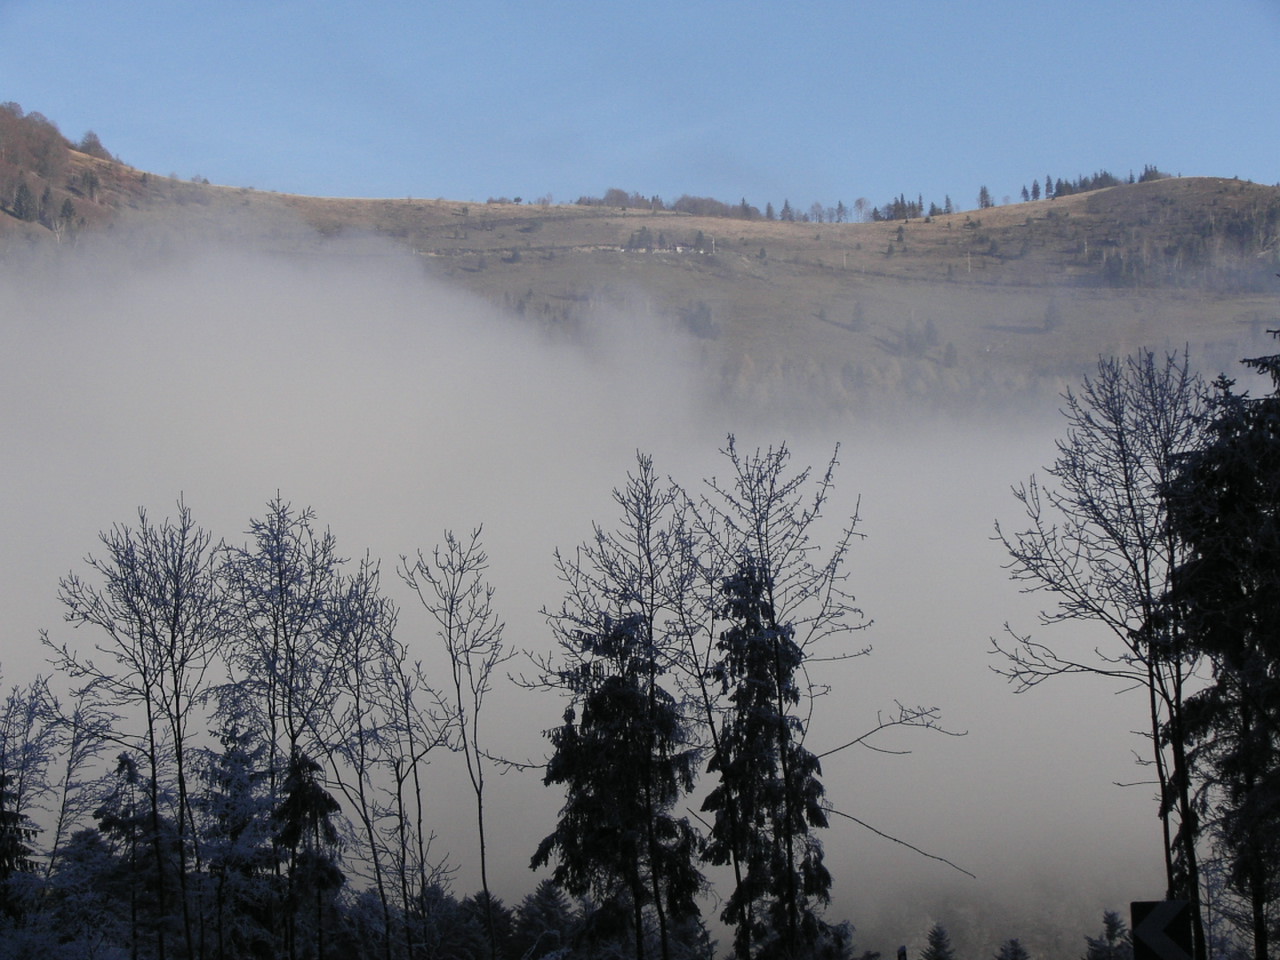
223,372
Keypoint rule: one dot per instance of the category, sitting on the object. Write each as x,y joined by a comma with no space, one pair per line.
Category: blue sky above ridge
821,101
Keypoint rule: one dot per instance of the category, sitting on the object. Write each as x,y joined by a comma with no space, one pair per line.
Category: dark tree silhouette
1101,542
623,764
1224,502
767,778
938,945
305,828
623,752
771,600
1113,943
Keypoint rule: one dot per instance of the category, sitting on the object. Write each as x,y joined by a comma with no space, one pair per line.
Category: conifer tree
623,753
767,776
938,945
775,602
1012,950
1224,502
16,834
619,755
305,828
544,923
24,202
1114,943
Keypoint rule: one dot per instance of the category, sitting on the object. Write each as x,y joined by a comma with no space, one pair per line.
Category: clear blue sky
803,101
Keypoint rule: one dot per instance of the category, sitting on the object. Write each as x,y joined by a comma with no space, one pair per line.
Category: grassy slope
984,303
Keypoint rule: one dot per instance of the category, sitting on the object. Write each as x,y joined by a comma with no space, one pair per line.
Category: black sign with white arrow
1161,929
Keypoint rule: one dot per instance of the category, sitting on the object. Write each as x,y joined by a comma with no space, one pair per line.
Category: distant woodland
899,208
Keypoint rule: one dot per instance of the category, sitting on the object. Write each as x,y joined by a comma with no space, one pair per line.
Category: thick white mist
225,372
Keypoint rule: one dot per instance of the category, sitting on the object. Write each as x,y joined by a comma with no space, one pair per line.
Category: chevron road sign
1161,929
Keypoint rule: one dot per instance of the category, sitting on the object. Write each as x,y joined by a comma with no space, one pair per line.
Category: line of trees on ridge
899,208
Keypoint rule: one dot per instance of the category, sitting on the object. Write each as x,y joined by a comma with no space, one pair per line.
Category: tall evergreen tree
772,600
1113,943
545,923
1225,503
305,828
623,753
769,797
938,945
623,764
24,202
239,854
16,834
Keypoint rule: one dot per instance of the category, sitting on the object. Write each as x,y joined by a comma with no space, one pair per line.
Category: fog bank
145,370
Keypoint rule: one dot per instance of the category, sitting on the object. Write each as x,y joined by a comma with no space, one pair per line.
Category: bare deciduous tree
280,587
1099,540
161,610
452,588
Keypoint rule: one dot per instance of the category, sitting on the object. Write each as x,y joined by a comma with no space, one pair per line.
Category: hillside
979,304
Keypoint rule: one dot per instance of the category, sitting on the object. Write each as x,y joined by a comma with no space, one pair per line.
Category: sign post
1161,929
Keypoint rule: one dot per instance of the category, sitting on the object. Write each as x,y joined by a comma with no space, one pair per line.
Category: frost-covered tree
280,587
155,602
81,730
350,732
239,854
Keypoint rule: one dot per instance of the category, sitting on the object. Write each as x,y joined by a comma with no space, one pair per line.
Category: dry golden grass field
957,308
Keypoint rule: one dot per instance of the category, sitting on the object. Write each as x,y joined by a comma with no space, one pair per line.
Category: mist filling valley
223,374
